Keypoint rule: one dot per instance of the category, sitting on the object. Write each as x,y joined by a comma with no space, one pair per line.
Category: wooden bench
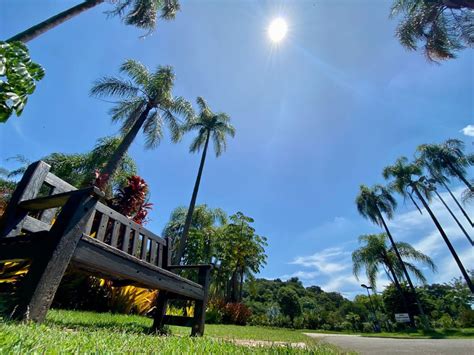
91,237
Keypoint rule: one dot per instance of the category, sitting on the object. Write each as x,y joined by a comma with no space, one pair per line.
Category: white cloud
468,130
326,261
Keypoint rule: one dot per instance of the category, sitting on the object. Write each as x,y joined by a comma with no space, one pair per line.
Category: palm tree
375,253
209,125
146,102
402,173
140,13
431,184
444,26
436,158
371,202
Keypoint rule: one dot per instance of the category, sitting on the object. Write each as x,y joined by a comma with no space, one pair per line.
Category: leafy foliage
443,27
131,200
18,77
145,13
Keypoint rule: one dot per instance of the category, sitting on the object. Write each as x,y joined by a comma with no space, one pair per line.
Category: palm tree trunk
39,29
454,217
446,240
400,289
405,271
117,156
457,202
192,204
461,177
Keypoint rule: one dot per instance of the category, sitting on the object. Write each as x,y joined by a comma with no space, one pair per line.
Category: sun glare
277,29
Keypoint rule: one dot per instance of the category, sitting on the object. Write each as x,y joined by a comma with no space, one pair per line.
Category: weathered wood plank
52,201
126,239
12,220
34,225
90,222
96,256
104,221
204,279
135,242
161,249
115,234
144,251
153,252
59,184
128,222
167,253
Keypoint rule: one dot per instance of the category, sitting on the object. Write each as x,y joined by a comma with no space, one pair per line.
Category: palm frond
136,71
110,86
153,129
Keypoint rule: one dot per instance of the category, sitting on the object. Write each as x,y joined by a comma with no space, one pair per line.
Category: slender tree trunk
446,240
455,218
461,177
192,204
457,203
235,287
114,161
56,20
405,271
400,290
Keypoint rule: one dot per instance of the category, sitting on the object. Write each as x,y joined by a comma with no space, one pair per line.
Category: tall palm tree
146,101
209,125
431,184
436,159
402,182
371,203
375,253
443,26
139,13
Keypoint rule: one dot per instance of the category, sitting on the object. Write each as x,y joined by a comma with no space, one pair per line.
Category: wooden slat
115,234
160,255
178,320
48,215
135,242
58,200
59,184
34,225
153,252
89,224
144,250
128,222
126,239
94,256
104,220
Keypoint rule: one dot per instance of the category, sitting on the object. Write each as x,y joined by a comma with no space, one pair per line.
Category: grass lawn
72,331
466,333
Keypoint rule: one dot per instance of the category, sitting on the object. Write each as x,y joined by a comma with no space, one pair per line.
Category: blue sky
318,115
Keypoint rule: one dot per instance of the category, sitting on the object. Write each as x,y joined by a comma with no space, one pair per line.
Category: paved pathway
370,345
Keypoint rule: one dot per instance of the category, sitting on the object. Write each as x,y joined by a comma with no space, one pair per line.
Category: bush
367,327
466,318
346,325
445,321
236,313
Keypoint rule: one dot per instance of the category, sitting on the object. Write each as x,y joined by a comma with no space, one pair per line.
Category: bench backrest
105,224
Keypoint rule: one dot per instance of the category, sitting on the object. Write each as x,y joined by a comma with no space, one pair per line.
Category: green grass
466,333
70,331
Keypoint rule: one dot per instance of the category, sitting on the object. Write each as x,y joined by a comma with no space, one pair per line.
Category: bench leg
200,306
199,319
160,311
47,269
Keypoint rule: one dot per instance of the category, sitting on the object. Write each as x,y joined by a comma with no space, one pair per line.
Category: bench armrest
57,200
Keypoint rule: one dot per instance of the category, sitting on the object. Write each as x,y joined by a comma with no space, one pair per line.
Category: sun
277,29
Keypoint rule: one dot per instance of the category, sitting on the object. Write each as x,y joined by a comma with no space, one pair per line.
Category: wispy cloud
326,261
468,130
